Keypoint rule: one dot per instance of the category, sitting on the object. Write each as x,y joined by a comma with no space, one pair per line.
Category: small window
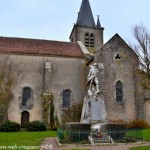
92,40
87,40
119,91
26,96
117,57
66,99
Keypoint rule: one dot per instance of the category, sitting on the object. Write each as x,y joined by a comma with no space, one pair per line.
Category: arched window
66,99
92,40
87,40
26,97
119,91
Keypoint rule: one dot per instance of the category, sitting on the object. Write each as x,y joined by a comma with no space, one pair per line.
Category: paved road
51,144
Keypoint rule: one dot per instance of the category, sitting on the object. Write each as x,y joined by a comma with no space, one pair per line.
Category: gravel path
52,144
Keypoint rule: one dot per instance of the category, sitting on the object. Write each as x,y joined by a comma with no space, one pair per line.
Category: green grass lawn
146,134
140,148
24,138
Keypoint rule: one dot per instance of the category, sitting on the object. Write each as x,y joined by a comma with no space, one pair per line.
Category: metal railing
89,137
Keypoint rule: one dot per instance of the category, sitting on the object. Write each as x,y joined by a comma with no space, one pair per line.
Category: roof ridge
22,38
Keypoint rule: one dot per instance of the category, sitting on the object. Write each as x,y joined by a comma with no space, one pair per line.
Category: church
60,68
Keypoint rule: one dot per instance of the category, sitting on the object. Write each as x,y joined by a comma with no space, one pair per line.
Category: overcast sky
54,19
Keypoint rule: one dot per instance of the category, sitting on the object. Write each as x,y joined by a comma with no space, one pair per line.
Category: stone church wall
118,69
66,73
79,35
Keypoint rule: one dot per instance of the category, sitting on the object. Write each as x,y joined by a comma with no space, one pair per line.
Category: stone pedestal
96,110
93,110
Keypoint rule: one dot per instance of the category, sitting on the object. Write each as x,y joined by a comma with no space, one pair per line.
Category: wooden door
24,118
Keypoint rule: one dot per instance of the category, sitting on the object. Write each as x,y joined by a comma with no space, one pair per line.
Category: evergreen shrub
36,126
10,126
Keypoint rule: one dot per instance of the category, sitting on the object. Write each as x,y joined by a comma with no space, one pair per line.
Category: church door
24,118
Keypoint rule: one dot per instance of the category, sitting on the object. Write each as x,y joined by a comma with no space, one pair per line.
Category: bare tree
8,79
6,84
142,48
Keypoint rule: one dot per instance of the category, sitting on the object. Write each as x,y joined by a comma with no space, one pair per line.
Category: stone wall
119,63
147,111
79,32
66,73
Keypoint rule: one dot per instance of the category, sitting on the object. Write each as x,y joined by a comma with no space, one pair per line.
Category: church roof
39,47
85,16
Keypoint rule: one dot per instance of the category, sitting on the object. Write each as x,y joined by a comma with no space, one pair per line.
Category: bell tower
86,30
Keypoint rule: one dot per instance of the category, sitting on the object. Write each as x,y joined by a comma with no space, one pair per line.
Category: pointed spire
85,16
98,22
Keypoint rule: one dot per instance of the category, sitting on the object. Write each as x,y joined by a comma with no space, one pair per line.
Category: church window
92,40
26,97
87,40
66,98
117,57
119,91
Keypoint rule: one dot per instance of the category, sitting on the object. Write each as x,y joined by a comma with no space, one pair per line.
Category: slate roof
39,47
85,16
